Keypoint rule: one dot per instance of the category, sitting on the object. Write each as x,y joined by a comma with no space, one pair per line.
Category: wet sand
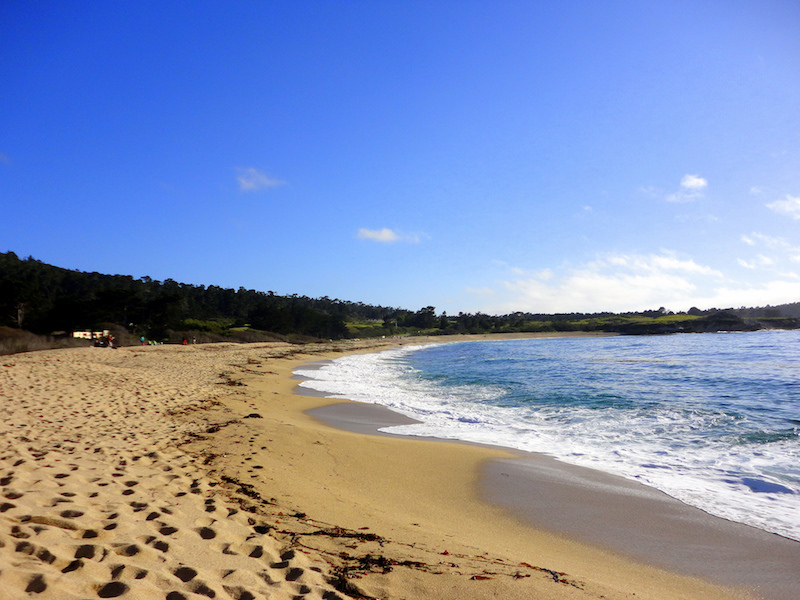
615,513
643,523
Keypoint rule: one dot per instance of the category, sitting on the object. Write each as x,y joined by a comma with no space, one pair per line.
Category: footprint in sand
73,566
121,571
116,571
112,589
200,587
156,543
207,533
238,593
127,549
36,585
85,551
185,573
253,550
167,530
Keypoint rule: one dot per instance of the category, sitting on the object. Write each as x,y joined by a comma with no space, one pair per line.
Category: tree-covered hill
43,299
47,300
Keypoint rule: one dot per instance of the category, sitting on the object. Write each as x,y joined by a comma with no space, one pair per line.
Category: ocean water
711,419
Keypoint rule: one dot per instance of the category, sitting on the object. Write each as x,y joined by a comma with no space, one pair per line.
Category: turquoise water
711,419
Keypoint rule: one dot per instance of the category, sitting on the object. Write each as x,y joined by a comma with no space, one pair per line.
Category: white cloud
589,290
387,236
654,263
790,206
384,235
693,182
779,291
614,282
621,282
692,188
632,282
251,179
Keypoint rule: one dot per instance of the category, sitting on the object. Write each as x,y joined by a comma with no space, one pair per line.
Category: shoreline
609,511
643,523
183,472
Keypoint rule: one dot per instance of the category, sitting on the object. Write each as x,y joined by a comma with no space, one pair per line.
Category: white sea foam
661,446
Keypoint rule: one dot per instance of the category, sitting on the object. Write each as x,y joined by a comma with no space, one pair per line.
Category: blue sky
472,156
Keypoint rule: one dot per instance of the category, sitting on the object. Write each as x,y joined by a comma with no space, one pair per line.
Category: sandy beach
186,472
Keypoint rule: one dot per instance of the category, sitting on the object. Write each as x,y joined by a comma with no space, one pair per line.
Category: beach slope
194,472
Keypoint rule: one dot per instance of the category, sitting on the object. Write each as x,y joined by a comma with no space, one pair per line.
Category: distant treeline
48,300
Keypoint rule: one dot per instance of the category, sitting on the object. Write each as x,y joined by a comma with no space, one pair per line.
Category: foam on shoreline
614,512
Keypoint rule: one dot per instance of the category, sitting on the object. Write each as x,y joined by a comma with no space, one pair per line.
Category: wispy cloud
251,179
772,253
386,236
777,243
789,206
759,261
692,188
655,263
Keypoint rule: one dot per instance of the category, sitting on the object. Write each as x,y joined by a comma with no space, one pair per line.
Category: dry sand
193,472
